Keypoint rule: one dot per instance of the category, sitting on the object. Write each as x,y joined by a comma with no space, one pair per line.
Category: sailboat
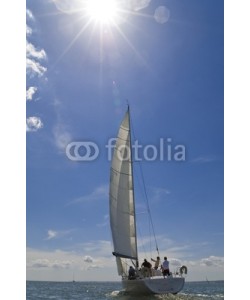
123,223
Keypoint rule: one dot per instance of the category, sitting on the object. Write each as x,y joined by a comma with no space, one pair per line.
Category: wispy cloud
29,15
92,255
30,93
175,262
39,263
33,52
159,193
53,234
212,261
28,30
146,242
45,263
98,248
34,56
34,68
33,124
105,221
156,194
56,259
61,136
98,193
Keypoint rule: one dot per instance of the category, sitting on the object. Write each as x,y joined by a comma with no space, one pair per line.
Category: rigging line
145,192
151,242
148,208
142,241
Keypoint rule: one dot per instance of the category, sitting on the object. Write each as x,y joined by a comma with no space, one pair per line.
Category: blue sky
170,67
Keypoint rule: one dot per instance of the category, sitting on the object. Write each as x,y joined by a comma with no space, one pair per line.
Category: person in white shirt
165,267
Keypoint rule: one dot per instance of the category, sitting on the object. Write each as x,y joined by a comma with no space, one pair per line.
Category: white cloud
34,68
51,234
212,261
39,263
61,264
45,264
88,259
33,55
33,124
30,92
32,52
175,262
95,256
29,15
28,30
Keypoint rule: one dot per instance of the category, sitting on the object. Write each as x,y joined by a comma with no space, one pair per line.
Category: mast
132,172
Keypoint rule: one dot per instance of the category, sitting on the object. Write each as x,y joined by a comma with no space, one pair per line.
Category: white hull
155,285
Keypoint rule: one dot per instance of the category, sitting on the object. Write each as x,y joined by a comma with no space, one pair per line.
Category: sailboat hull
169,285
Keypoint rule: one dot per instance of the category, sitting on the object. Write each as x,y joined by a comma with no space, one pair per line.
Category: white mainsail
121,196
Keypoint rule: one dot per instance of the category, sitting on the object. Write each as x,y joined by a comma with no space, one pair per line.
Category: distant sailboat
123,223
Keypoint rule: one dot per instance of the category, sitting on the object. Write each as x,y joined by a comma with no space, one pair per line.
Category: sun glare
102,11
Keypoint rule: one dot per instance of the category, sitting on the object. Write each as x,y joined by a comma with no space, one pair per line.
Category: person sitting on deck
131,273
165,267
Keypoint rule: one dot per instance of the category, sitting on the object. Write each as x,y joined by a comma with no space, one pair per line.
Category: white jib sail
121,196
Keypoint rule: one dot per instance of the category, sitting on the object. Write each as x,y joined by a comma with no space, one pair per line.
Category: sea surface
113,291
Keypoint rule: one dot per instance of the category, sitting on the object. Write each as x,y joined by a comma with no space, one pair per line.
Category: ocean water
38,290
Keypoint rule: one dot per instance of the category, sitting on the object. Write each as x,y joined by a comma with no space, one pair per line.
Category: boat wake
123,295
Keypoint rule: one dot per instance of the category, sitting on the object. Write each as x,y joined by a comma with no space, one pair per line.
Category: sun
102,11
